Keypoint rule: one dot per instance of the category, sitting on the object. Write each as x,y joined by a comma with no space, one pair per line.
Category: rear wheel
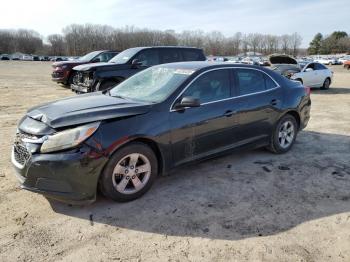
129,173
284,135
326,84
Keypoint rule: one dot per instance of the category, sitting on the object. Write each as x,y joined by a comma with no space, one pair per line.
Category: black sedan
161,118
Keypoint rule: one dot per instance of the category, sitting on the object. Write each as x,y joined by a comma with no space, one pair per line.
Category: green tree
332,43
315,44
338,34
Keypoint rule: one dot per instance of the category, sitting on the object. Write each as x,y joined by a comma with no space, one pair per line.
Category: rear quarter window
193,55
269,83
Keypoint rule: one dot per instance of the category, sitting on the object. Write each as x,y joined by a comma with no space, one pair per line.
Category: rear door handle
274,102
229,113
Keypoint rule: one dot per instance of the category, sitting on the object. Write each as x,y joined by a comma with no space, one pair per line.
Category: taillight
308,90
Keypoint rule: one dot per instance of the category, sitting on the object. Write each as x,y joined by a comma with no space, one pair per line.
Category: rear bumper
305,109
70,177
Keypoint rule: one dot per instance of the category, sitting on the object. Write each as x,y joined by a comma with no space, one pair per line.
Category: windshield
89,56
154,84
124,56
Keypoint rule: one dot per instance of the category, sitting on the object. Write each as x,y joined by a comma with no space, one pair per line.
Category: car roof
200,66
163,47
103,51
197,65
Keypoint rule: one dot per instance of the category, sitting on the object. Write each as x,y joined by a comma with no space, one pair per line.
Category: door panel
258,107
216,128
257,115
310,78
199,131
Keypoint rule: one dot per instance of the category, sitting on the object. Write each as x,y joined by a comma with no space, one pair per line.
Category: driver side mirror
308,69
135,63
188,101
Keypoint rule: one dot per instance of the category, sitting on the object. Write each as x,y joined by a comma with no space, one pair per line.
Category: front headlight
68,138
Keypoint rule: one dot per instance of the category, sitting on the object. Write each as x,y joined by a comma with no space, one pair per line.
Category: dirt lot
251,206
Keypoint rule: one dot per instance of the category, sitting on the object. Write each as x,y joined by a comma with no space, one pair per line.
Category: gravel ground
248,206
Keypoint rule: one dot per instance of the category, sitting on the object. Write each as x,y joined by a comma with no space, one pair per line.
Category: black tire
107,85
107,180
326,84
69,81
70,78
275,143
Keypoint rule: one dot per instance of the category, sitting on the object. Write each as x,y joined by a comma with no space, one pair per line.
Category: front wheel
129,173
284,135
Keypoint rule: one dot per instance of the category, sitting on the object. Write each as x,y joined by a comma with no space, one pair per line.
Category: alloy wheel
286,134
131,173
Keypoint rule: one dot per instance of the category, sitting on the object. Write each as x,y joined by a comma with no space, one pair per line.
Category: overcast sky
307,17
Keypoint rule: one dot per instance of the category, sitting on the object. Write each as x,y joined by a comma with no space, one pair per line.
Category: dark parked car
161,118
102,76
63,73
5,57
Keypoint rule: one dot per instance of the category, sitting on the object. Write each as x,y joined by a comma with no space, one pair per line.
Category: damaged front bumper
79,88
60,76
70,176
83,82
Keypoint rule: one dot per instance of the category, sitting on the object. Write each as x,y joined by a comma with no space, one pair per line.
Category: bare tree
295,42
79,39
57,44
253,41
7,41
285,43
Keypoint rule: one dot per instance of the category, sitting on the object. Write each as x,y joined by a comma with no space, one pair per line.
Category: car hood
101,66
85,108
282,59
89,66
70,63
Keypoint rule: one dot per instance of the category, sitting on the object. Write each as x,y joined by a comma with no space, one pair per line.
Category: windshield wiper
117,96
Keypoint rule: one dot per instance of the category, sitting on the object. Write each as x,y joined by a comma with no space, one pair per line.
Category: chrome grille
20,151
21,154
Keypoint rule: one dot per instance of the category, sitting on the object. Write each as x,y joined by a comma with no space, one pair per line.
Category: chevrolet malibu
166,116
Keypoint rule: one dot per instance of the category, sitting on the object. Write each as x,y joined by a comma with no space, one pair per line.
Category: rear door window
249,81
170,55
319,66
